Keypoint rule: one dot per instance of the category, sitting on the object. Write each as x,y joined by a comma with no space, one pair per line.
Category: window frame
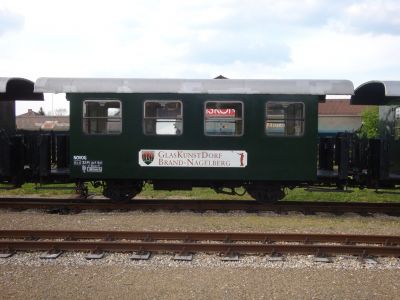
145,118
303,119
97,101
223,101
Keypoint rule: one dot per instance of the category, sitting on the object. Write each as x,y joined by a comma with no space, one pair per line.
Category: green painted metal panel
269,158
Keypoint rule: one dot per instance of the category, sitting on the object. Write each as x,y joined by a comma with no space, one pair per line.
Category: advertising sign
193,158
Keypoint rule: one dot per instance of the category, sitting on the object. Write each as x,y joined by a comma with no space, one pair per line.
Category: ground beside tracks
82,282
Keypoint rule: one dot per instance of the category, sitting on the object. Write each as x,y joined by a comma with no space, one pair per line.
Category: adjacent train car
12,146
383,166
178,134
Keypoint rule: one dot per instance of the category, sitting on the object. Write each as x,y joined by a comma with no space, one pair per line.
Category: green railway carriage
175,133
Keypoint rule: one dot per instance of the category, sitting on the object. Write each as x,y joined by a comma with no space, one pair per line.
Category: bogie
266,194
121,190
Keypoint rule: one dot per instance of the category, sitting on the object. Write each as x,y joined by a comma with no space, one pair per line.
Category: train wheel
266,194
81,189
121,191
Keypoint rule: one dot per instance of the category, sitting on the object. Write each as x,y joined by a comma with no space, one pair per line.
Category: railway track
305,207
192,242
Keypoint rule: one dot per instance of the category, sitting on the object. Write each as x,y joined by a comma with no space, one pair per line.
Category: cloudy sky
342,39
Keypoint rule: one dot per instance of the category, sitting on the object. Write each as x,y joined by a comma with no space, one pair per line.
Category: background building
35,121
339,115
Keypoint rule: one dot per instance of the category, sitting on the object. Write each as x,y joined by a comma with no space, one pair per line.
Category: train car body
261,134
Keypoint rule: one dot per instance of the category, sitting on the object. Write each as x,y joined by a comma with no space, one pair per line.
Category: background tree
370,121
41,111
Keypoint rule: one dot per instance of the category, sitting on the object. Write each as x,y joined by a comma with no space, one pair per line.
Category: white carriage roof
194,86
377,93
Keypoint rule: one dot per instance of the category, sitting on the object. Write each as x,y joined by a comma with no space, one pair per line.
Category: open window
284,119
102,117
223,118
162,117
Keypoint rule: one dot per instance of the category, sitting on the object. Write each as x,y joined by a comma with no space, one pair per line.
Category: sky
270,39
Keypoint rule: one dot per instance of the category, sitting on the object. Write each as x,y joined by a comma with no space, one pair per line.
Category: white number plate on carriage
193,158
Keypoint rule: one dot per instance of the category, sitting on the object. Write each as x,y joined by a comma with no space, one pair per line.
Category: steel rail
265,237
222,242
306,207
200,247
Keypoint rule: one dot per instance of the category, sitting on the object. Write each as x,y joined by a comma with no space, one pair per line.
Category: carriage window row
165,117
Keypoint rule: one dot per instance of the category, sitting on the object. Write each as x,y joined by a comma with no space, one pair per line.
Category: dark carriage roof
13,88
194,86
377,93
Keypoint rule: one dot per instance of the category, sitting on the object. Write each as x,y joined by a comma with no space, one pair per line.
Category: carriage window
284,119
223,118
397,123
162,117
102,117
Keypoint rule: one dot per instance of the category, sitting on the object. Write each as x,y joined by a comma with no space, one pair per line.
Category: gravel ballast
206,277
116,282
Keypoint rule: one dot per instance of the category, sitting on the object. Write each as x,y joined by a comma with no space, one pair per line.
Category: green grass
353,195
31,188
299,194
